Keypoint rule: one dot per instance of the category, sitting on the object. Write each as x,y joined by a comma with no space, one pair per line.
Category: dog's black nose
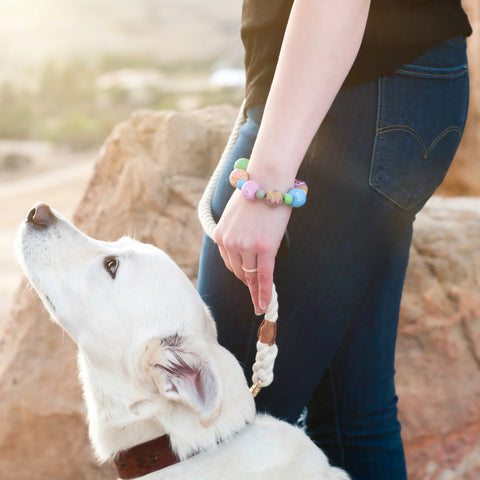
40,215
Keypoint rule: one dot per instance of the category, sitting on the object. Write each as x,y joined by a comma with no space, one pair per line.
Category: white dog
164,399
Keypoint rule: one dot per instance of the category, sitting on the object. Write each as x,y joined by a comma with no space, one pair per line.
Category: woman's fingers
230,255
248,236
265,266
249,267
225,257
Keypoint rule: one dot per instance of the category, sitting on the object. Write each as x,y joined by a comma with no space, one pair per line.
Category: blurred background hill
70,70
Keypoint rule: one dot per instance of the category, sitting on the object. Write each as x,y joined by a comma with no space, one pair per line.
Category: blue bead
299,197
240,183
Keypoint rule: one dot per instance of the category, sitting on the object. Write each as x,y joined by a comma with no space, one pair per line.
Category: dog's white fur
150,363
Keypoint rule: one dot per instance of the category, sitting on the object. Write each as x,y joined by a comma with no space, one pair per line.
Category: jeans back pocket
420,120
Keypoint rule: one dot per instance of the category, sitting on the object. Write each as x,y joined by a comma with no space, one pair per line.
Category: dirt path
62,187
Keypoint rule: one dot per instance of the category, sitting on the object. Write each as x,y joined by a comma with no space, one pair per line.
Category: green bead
259,194
241,163
287,199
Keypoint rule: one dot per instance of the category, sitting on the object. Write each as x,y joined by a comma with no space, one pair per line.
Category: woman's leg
339,281
352,414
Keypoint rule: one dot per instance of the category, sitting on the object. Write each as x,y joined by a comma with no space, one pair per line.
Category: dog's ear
183,373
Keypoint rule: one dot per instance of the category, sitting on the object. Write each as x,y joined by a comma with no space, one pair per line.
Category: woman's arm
320,45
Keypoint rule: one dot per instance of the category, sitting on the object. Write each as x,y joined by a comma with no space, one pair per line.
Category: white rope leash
266,348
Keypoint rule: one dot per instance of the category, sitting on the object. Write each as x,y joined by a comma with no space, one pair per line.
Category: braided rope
266,352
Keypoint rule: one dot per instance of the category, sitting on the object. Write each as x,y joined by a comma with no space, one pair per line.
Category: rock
147,182
438,351
150,176
42,432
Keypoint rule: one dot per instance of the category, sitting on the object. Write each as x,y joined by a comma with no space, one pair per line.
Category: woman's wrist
272,169
294,195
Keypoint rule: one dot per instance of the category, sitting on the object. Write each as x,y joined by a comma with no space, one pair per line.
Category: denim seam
434,75
337,421
455,39
380,108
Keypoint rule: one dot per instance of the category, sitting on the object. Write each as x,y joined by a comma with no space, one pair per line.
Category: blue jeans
381,151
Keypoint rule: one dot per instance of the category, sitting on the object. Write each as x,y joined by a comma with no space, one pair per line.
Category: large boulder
147,182
438,351
150,176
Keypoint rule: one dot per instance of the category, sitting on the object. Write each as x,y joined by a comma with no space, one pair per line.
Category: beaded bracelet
239,178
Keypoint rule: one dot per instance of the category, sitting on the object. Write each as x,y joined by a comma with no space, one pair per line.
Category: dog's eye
111,265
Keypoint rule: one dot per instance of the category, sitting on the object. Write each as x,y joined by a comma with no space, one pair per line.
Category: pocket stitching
402,203
414,133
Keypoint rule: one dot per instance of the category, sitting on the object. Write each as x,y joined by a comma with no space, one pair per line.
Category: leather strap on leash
267,332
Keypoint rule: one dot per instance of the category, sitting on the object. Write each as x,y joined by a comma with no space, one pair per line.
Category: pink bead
249,189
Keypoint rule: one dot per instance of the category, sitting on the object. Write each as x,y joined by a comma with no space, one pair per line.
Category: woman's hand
248,236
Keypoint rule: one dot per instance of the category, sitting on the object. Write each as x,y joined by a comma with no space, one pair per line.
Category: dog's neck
114,426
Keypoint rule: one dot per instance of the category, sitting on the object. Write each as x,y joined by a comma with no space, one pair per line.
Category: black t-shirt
397,31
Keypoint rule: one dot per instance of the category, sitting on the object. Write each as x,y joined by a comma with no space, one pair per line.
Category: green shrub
14,161
65,107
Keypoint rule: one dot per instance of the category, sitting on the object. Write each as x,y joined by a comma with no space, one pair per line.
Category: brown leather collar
145,458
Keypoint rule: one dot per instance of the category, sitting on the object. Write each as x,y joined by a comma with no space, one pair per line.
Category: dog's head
96,289
147,343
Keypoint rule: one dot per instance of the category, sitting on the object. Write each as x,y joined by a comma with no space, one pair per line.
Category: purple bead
249,189
301,185
299,197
